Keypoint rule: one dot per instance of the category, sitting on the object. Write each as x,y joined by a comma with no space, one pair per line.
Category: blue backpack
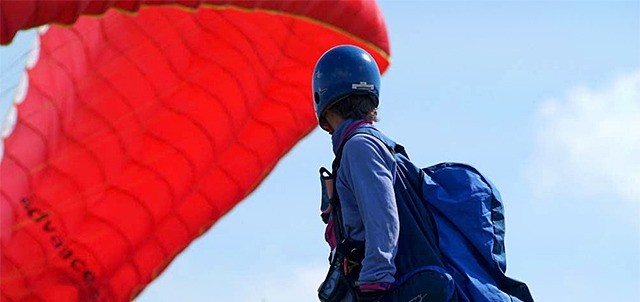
451,244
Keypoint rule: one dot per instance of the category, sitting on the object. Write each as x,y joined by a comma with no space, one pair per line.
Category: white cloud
588,142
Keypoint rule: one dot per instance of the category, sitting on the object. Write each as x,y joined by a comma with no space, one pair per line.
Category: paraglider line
9,90
18,61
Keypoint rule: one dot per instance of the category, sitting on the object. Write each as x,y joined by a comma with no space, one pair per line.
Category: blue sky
542,96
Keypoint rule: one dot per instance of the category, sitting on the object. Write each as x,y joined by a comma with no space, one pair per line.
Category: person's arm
370,169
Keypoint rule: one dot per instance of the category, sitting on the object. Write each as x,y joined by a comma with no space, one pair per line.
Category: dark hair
357,106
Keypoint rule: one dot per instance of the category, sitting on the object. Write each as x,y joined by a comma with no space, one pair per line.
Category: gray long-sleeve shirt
365,187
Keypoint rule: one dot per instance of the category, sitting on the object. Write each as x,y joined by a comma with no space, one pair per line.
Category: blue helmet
340,72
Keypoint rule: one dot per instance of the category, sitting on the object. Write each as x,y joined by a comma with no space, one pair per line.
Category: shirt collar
345,128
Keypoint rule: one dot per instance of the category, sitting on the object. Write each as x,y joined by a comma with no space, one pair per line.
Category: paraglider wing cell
144,122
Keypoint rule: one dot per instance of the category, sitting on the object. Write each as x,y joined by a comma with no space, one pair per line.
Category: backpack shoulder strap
393,147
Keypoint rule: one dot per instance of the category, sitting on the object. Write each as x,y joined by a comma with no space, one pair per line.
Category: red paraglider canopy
142,126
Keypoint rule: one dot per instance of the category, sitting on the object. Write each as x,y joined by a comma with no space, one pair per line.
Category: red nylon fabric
138,132
360,18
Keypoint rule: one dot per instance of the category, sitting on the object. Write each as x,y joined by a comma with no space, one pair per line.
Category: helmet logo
362,86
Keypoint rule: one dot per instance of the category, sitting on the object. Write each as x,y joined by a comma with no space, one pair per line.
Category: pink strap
330,235
353,128
374,286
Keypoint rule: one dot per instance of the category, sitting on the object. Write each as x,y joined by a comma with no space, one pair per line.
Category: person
372,196
400,233
346,86
388,243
